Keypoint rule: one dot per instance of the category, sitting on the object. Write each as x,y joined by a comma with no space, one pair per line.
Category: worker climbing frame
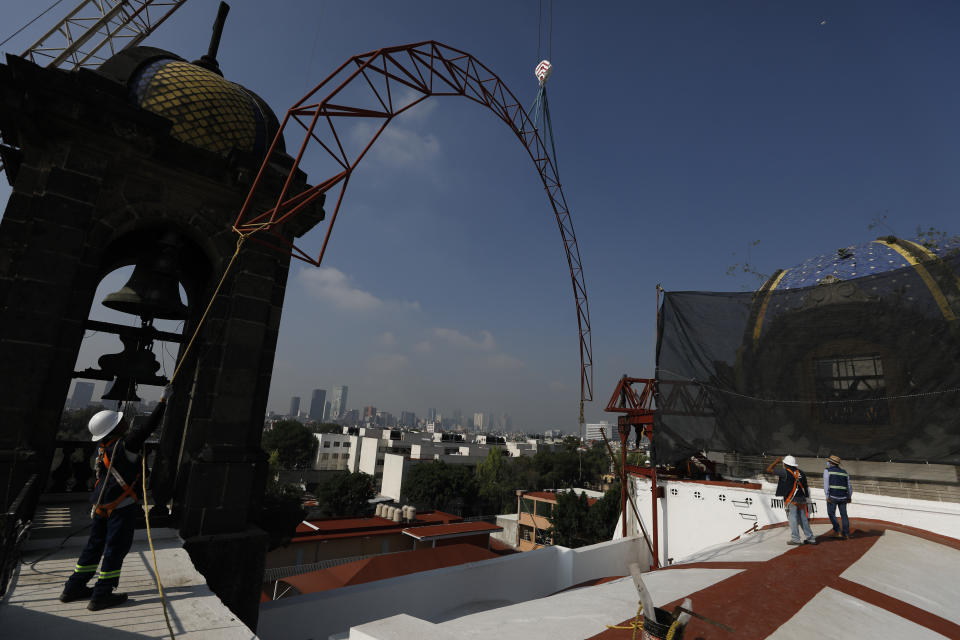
357,101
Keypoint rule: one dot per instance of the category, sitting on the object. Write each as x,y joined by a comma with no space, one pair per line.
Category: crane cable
17,32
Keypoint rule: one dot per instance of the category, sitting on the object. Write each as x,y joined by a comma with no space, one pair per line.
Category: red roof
744,600
334,528
385,566
451,530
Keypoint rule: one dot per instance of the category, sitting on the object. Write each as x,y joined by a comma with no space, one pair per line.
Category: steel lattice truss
97,29
374,88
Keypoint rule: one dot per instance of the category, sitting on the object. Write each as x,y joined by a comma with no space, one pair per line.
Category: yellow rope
636,625
153,552
183,358
143,459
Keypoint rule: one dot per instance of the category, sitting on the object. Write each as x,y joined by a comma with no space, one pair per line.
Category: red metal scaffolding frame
425,69
638,409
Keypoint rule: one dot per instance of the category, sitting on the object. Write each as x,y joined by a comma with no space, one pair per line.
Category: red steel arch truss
376,87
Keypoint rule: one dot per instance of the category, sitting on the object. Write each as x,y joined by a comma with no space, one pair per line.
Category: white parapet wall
440,594
695,515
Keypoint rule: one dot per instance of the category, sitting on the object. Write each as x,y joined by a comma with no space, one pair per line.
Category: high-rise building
408,419
326,411
82,395
316,404
593,431
481,421
369,412
339,406
294,406
431,414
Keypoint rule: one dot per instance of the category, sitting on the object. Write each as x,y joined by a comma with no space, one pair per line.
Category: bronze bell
153,289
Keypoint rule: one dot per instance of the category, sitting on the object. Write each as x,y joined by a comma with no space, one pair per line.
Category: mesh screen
865,368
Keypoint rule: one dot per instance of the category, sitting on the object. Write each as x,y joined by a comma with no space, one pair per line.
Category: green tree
438,485
325,427
345,494
570,520
293,442
492,472
603,516
73,423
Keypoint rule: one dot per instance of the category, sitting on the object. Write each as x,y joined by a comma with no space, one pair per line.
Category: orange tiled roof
390,565
448,530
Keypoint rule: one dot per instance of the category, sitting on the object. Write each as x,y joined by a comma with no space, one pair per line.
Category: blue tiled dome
857,261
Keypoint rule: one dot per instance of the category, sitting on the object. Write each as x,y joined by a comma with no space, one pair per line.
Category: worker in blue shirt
839,491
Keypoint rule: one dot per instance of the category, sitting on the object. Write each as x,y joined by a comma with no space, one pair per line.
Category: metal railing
14,529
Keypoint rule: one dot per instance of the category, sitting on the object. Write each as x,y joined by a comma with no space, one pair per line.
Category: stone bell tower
146,162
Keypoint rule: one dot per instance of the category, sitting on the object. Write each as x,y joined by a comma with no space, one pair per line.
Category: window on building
326,445
346,444
526,533
336,444
850,390
544,509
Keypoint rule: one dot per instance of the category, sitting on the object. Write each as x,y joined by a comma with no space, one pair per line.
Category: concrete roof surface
32,607
886,580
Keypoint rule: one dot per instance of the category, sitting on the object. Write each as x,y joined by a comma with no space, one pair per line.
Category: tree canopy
577,523
345,494
438,485
293,442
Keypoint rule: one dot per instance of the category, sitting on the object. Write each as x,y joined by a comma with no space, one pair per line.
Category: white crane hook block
543,71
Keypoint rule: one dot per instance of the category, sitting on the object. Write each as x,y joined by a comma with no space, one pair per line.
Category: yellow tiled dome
207,111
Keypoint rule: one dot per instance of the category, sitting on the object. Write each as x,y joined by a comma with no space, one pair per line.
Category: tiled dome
861,260
207,110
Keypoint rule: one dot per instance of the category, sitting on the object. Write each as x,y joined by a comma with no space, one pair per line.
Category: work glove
167,392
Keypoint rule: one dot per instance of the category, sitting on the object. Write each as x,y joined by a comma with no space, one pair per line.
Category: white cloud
388,363
457,339
398,147
503,361
332,285
423,347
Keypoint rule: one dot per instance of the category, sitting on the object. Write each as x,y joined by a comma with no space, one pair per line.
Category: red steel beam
430,69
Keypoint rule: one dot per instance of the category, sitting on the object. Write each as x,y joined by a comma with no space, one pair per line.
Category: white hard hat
103,422
790,461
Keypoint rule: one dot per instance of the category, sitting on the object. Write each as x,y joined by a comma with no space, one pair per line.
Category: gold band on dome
921,270
930,255
763,307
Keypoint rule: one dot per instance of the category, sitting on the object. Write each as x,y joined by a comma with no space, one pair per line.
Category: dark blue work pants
832,514
110,538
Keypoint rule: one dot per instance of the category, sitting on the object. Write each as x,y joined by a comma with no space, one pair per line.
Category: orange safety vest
127,490
793,492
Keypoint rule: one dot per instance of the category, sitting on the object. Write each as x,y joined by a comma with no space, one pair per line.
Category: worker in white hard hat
113,506
792,487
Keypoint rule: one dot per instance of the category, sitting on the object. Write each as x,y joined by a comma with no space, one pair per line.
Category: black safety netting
865,368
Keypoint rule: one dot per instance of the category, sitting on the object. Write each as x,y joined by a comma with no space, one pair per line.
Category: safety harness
796,487
127,490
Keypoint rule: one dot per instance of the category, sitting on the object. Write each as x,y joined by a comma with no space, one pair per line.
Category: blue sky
685,131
